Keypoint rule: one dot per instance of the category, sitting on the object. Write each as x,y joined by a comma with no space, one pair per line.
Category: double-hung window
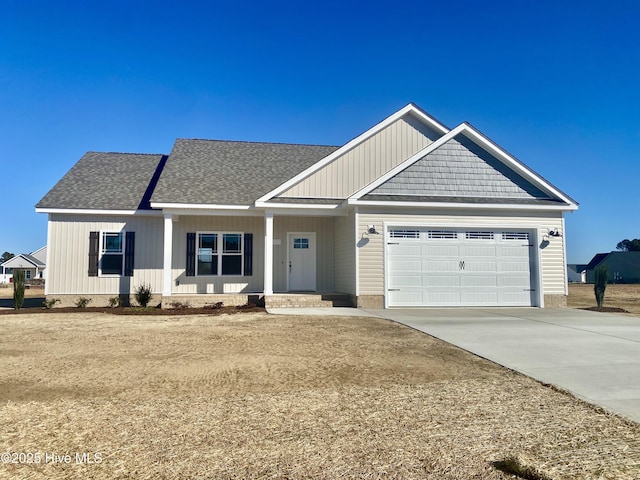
112,253
219,254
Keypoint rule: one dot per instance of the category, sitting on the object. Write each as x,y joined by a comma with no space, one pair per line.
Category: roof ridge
127,153
257,143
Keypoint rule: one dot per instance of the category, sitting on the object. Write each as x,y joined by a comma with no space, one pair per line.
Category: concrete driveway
596,356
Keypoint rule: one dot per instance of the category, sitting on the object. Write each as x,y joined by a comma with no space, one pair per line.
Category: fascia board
316,206
88,211
410,108
199,206
473,134
475,206
407,163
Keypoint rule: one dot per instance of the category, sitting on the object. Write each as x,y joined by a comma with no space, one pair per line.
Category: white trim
167,256
410,108
16,257
48,259
300,206
200,206
101,253
89,211
357,251
564,255
482,141
491,206
268,254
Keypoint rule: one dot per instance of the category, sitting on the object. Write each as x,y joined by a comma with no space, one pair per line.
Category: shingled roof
106,181
215,172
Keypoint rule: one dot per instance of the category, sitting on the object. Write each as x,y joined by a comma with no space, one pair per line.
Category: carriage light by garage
371,229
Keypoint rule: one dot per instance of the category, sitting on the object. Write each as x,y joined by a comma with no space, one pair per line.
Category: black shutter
94,244
248,254
129,249
191,254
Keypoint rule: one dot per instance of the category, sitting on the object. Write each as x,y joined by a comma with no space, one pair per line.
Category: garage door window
479,235
442,235
404,233
515,236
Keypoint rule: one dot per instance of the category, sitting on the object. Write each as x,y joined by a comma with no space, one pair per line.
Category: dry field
616,296
259,396
6,291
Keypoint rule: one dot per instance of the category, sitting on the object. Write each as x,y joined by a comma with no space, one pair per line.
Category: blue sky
554,83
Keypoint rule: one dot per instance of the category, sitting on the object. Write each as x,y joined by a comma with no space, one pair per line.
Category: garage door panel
442,281
461,267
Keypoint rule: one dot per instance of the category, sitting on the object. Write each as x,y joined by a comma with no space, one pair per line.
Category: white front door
301,259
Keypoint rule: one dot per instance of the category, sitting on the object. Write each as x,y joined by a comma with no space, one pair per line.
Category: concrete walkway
596,356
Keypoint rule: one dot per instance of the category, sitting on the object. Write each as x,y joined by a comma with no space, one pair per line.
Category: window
112,253
219,254
300,243
404,233
479,235
443,234
515,236
27,274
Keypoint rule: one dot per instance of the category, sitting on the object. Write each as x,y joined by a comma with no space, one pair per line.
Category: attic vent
479,235
403,233
443,234
515,236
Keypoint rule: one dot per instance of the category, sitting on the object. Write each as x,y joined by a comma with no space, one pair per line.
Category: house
576,273
409,213
33,264
624,267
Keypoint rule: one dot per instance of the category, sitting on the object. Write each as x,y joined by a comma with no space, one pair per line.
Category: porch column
168,248
268,254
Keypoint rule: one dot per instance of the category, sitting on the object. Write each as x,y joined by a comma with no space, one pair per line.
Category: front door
301,259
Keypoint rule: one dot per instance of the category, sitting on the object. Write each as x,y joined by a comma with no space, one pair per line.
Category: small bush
82,302
143,295
50,302
115,302
18,289
180,305
214,306
600,285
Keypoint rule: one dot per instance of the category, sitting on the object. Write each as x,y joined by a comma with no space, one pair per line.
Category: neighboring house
34,266
409,213
624,267
576,273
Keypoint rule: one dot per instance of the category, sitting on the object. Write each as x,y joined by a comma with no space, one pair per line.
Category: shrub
600,285
115,302
180,305
82,302
50,302
18,289
215,306
143,294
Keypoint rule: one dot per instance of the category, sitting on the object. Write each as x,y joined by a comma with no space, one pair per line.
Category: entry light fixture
371,230
554,233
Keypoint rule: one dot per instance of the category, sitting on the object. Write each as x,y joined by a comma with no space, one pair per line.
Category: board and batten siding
344,258
367,161
182,284
67,272
551,254
322,226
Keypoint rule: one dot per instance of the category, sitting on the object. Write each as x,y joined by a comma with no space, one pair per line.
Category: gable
21,261
367,161
460,168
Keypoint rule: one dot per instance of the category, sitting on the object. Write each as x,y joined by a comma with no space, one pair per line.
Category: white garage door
458,267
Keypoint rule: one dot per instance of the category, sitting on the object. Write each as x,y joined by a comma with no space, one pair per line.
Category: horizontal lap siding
371,255
366,162
67,272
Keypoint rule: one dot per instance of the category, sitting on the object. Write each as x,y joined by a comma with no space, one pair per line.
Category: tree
627,245
600,285
6,256
18,289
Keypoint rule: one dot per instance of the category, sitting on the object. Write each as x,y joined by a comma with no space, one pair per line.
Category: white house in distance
34,265
409,213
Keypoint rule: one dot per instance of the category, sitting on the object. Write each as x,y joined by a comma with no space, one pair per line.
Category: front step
308,300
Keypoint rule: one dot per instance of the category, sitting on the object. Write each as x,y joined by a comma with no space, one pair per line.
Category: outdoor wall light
371,229
554,233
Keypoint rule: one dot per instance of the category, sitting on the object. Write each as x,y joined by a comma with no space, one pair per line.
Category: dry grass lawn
616,296
259,396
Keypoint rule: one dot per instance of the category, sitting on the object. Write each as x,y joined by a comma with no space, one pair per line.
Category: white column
168,248
268,254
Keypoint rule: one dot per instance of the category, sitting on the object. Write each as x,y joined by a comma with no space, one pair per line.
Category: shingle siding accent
460,168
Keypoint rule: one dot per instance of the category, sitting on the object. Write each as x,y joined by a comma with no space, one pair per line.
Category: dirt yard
616,296
99,396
